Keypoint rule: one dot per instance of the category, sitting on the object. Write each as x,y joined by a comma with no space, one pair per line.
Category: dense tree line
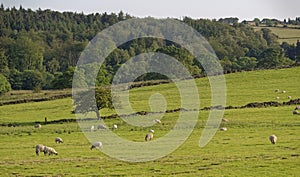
39,49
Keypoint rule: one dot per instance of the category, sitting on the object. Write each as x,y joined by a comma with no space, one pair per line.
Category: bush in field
4,85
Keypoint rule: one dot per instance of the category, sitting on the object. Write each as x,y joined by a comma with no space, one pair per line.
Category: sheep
59,140
223,129
39,148
115,126
295,112
149,137
92,128
50,151
273,139
157,121
283,91
277,90
96,145
151,131
100,126
289,97
277,98
225,120
37,126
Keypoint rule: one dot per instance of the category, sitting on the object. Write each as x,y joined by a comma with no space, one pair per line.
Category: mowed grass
243,150
289,35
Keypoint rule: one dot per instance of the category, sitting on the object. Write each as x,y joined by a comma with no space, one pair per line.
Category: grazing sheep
283,91
50,151
295,112
157,121
59,140
277,90
151,131
277,98
92,128
115,126
39,148
101,127
96,145
273,139
223,129
225,120
149,137
37,126
297,108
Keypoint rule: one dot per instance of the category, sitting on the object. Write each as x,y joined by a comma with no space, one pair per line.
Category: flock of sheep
283,91
50,151
149,136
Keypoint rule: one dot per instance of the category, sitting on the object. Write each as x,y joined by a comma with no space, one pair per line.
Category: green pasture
289,35
242,150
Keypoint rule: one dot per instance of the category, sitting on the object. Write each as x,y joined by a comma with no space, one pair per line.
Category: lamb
59,140
39,148
283,91
149,137
37,126
50,151
273,139
115,126
96,145
289,97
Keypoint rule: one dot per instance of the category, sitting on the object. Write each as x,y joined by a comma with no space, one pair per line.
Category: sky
211,9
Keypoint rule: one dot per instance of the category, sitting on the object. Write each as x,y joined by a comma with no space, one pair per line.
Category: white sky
242,9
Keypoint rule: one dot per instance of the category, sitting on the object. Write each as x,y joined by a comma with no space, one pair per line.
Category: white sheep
39,148
273,139
96,145
37,126
277,98
283,91
115,126
59,140
49,151
151,131
92,128
289,97
157,121
225,120
149,137
223,129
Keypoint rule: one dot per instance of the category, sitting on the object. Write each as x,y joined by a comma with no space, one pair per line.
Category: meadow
242,150
290,35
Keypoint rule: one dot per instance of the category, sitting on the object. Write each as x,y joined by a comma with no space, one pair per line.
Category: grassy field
289,35
243,150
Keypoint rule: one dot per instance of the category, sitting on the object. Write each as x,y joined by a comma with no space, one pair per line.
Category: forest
40,49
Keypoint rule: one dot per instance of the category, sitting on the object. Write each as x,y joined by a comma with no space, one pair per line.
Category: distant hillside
285,34
39,49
